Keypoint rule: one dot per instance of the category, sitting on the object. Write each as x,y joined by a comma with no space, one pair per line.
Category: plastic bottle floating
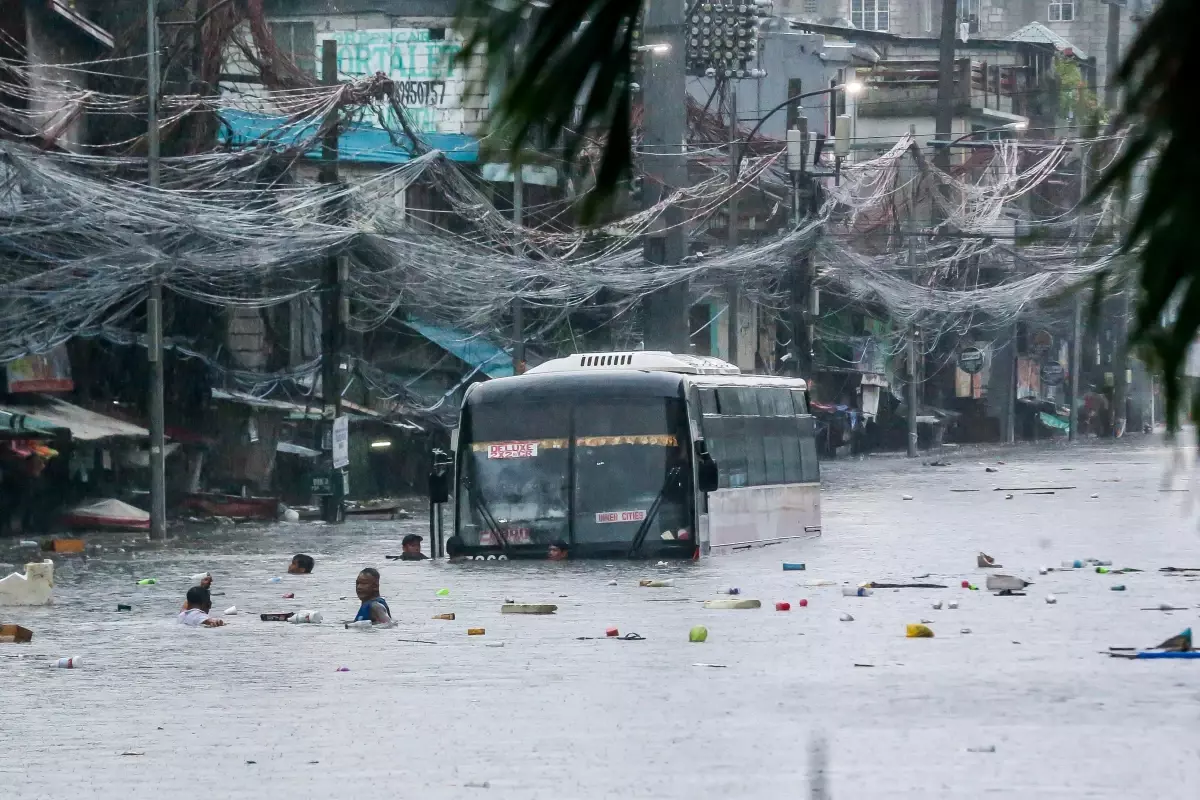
789,566
443,592
148,582
68,663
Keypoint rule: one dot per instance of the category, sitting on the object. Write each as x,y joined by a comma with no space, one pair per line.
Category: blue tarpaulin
360,142
474,350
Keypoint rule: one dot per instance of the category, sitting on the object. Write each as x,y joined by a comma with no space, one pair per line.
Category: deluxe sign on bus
513,450
620,516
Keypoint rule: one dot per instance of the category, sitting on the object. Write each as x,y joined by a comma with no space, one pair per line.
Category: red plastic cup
612,632
803,604
783,606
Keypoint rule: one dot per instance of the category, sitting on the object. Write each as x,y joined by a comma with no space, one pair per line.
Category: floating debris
1000,583
729,603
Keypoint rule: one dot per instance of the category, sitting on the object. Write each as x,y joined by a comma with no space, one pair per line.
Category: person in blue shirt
374,607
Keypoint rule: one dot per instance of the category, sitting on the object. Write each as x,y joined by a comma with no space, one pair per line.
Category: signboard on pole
341,442
970,360
43,372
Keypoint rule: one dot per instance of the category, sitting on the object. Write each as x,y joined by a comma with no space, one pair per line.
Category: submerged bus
638,454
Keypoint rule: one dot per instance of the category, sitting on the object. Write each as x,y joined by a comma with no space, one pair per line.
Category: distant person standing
411,548
374,608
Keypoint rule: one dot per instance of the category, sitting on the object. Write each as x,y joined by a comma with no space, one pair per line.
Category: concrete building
43,106
1086,24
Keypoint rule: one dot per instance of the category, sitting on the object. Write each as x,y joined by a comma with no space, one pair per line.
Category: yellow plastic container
919,632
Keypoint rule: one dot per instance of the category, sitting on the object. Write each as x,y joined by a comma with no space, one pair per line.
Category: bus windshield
590,473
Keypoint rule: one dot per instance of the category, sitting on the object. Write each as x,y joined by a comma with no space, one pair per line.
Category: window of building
869,15
968,14
1062,11
298,41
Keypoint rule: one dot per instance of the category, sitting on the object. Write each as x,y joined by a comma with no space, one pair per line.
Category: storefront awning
474,350
360,142
51,414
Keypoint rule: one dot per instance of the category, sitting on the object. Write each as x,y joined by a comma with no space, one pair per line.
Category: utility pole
944,121
804,295
154,350
912,358
332,319
1120,356
912,329
1112,55
518,305
1077,320
731,287
664,125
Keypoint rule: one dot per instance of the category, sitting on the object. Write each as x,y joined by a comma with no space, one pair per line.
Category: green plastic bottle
148,582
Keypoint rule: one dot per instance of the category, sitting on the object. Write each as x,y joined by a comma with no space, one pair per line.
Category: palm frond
1160,75
552,56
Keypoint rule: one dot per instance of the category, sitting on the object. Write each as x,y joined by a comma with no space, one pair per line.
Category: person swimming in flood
196,610
301,565
374,608
559,551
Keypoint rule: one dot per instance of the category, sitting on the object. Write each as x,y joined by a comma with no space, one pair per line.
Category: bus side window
748,399
799,402
775,402
715,436
810,469
773,429
790,441
754,434
708,401
735,452
728,401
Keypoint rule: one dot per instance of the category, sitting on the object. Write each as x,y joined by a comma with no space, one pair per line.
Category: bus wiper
644,528
483,511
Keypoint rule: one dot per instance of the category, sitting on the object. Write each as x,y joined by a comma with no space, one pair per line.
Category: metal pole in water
154,349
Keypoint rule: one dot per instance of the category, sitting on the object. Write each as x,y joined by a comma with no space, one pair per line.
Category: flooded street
259,710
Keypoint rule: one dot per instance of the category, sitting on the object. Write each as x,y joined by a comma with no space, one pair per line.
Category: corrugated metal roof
1037,33
54,414
474,350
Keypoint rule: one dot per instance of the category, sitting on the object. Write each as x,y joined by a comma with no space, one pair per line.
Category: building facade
1087,24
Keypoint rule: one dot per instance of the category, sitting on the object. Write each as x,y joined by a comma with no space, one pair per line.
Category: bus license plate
513,450
511,535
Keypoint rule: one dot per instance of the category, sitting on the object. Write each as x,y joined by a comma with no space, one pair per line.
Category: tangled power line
82,236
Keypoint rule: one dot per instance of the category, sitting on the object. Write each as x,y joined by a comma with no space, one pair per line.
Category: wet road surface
258,710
